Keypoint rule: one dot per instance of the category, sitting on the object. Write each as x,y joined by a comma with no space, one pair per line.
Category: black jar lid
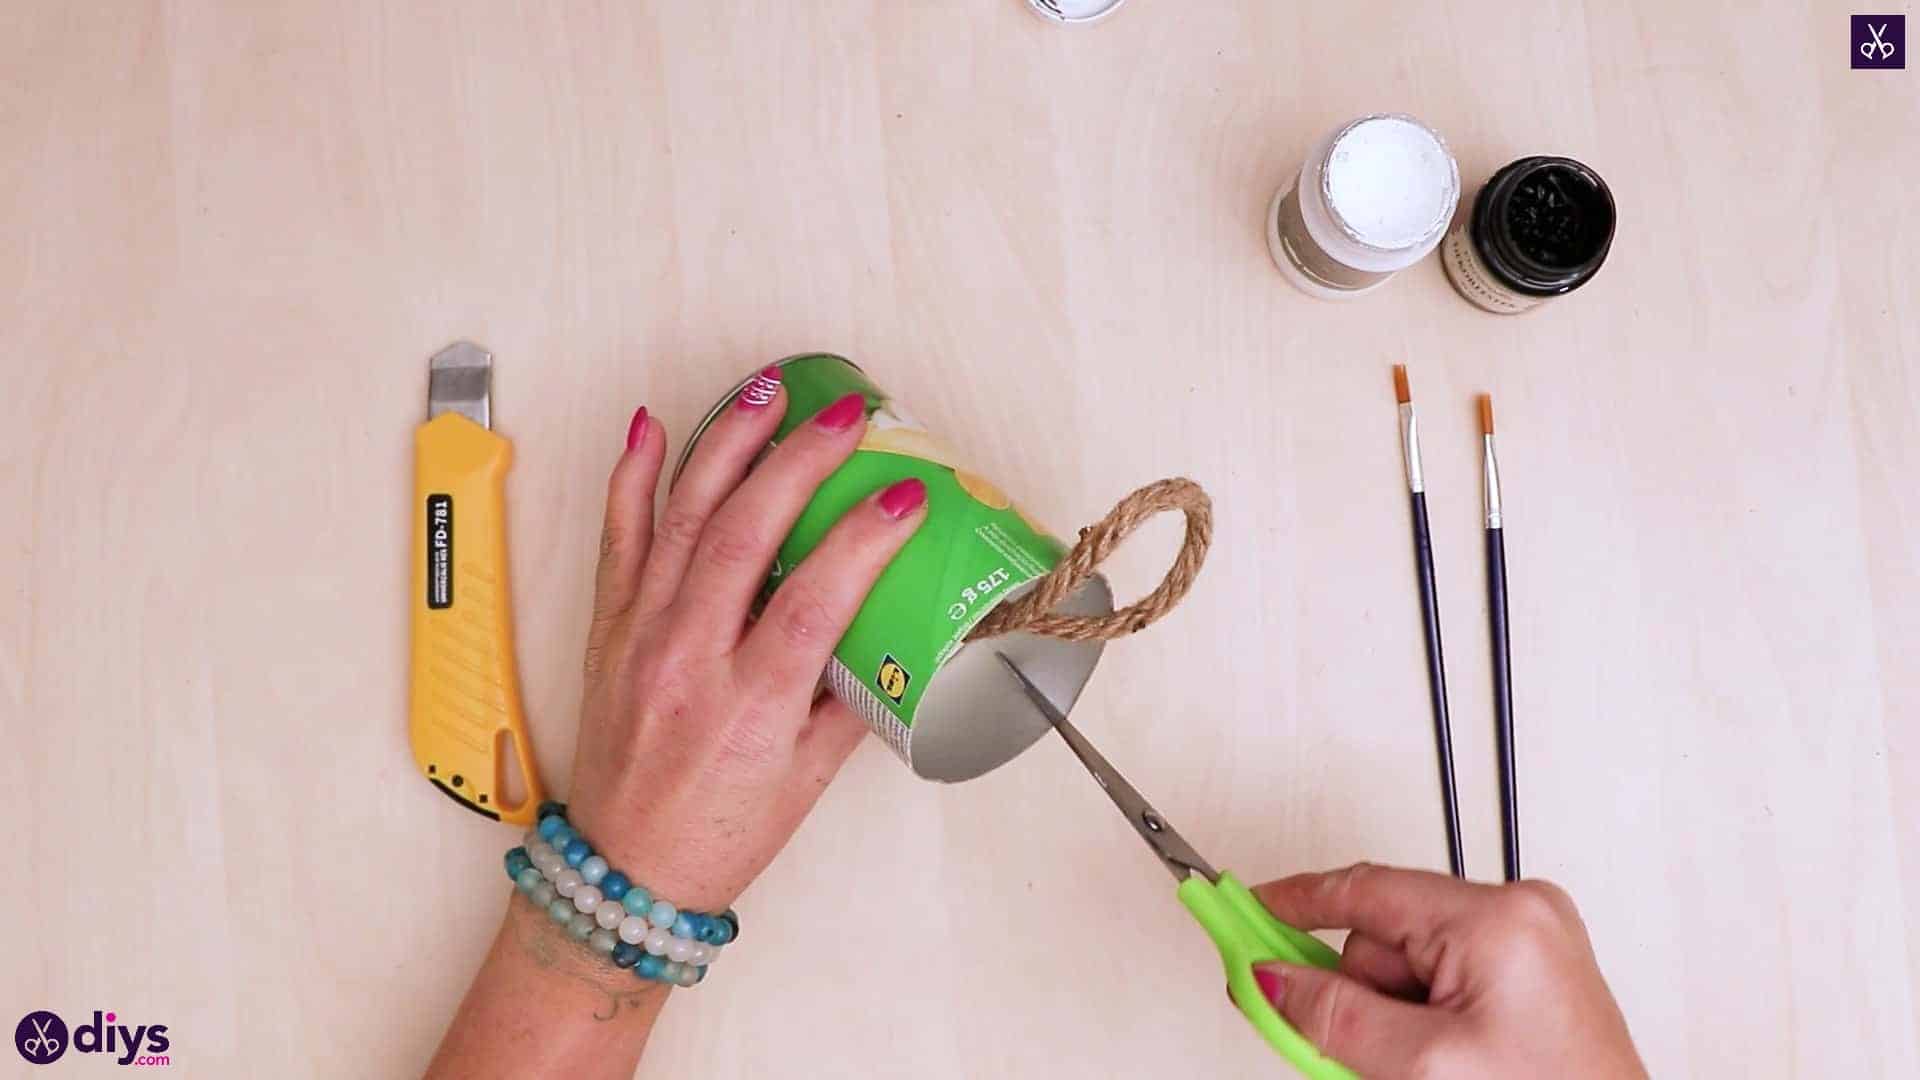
1543,225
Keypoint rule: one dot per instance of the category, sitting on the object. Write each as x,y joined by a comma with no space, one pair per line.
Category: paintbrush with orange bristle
1502,650
1430,611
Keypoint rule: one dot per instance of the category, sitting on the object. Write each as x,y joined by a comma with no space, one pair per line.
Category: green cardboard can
948,709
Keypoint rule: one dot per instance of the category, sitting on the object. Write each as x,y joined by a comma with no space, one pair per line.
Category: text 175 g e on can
946,707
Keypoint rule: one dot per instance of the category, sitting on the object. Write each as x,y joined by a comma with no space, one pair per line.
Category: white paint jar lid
1074,11
1379,193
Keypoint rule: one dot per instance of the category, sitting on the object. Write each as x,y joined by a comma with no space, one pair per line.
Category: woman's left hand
704,737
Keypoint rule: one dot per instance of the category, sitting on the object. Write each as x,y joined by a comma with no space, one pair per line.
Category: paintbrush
1430,612
1502,650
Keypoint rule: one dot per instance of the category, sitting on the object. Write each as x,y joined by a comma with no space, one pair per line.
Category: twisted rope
1034,613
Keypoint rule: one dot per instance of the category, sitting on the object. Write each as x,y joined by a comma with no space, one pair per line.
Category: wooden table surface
231,233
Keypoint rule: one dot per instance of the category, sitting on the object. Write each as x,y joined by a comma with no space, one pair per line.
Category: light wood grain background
231,233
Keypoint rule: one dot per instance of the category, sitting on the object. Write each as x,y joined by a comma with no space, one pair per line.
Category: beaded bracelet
617,917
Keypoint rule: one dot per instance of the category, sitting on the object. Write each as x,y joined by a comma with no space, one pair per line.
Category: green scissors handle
1241,927
1247,934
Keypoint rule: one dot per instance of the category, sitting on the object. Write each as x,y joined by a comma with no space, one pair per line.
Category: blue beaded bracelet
617,917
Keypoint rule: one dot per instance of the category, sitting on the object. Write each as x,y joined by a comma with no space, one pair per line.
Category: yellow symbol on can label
892,679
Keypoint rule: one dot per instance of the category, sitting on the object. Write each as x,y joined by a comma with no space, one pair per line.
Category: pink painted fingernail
842,414
904,497
637,429
1270,984
760,390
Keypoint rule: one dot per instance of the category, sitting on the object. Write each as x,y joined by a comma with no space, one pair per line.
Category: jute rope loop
1034,613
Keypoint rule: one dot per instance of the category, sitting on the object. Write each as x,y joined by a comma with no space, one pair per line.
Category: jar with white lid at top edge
1374,197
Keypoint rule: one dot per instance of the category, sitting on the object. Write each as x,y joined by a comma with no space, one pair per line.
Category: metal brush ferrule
1490,473
1410,448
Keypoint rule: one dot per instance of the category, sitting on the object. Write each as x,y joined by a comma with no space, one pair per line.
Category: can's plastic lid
1074,11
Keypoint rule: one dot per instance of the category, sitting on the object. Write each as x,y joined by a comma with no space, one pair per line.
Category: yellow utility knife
465,723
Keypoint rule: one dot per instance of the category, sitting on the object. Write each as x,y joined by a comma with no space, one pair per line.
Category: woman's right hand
1442,977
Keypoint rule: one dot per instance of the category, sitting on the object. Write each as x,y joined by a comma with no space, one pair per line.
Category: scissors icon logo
43,1043
1878,44
1879,41
41,1037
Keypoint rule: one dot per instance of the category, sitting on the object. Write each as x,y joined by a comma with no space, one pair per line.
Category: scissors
1885,48
1240,926
41,1045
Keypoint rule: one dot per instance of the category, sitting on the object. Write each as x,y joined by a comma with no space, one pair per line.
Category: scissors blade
1168,845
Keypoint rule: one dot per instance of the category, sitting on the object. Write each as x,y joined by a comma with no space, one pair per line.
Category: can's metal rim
1055,11
974,718
726,399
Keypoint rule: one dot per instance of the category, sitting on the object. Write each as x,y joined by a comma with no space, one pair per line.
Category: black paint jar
1540,228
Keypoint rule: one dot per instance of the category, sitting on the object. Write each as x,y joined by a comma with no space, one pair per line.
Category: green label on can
974,549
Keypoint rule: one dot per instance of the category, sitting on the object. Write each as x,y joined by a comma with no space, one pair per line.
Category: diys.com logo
43,1038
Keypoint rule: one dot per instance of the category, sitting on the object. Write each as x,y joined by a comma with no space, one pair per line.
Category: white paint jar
1374,197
